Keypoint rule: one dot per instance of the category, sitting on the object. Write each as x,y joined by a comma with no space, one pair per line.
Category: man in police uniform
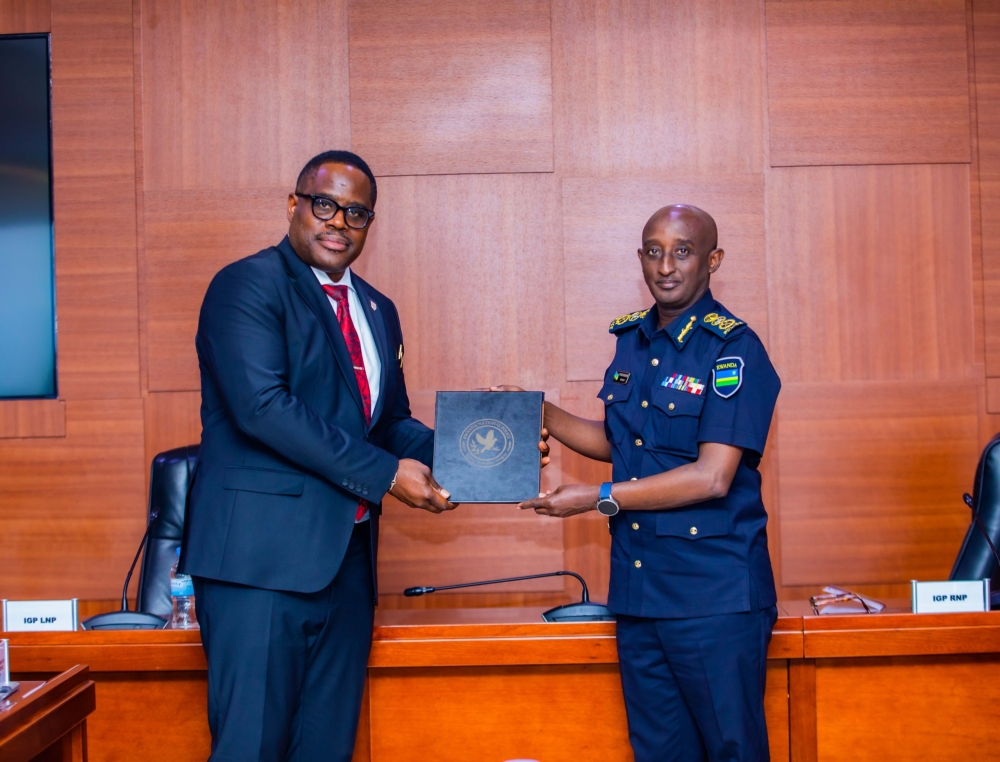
688,403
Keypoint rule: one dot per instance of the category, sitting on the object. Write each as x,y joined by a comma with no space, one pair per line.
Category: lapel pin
372,303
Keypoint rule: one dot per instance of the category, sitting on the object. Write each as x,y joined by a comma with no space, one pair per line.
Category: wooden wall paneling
32,418
867,82
870,273
605,281
94,188
872,476
472,263
24,16
74,507
190,236
241,95
647,87
172,419
898,712
986,17
993,395
451,86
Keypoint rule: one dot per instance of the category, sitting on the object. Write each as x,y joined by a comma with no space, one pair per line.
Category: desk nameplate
40,616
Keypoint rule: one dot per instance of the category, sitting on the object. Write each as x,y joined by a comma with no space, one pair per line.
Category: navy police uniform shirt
704,378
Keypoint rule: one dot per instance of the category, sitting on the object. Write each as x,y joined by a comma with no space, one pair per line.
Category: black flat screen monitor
27,271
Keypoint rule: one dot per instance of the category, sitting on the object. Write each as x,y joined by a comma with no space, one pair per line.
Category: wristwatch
607,505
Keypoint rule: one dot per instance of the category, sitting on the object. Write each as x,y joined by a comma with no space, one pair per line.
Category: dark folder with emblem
486,445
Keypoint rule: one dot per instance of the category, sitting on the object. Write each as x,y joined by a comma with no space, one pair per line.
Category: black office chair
169,480
976,559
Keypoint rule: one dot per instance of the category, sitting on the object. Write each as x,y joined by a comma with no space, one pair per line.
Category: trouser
694,688
286,671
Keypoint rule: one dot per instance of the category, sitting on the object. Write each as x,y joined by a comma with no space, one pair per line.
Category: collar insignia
721,325
626,321
687,329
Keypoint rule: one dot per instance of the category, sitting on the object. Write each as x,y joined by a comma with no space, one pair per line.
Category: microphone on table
967,498
125,619
584,611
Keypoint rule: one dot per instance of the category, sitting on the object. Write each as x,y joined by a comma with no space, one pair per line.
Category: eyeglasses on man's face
324,208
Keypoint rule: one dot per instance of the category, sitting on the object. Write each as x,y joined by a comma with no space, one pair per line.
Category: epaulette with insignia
626,321
721,325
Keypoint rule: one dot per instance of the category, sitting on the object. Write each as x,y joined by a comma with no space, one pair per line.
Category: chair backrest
169,480
975,559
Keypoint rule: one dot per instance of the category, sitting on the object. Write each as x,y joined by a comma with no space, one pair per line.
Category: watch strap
605,492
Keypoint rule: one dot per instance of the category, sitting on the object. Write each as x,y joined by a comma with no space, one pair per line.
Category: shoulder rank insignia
626,321
727,376
722,325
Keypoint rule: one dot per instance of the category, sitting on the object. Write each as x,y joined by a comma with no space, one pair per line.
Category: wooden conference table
487,685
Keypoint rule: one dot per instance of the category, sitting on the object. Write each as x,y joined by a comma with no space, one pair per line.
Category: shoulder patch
721,325
626,321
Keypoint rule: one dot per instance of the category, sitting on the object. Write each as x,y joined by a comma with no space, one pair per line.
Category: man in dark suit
306,426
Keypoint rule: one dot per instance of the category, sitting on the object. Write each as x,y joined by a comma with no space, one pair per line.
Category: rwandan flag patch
683,383
727,376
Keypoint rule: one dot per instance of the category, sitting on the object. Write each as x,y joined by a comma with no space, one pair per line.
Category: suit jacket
285,451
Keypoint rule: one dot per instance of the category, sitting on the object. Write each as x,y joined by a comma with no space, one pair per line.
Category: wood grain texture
919,709
993,395
32,418
474,271
872,475
74,507
644,87
451,86
986,17
93,155
867,82
190,236
241,95
869,273
802,710
602,282
171,419
48,721
24,16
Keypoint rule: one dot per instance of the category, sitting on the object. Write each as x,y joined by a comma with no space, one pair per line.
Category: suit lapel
381,341
305,283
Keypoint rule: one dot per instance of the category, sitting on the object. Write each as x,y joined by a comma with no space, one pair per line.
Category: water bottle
182,595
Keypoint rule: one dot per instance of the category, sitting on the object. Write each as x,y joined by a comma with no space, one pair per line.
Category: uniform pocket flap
264,480
692,524
673,402
613,392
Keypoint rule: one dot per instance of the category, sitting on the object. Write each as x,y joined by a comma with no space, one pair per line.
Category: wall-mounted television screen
27,268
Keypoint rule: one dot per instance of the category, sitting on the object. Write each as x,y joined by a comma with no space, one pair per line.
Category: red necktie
339,295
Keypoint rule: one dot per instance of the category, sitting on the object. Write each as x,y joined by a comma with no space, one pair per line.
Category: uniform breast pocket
615,396
673,423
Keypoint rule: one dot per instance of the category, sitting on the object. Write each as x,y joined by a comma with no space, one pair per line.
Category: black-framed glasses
323,208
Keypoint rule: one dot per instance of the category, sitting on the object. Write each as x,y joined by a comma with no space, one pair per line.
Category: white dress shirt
373,366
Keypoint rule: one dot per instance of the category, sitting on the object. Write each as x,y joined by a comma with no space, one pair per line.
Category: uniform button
693,530
670,406
638,564
655,362
638,443
645,403
633,478
635,525
611,396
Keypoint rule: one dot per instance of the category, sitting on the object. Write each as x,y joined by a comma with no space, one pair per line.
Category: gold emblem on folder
486,443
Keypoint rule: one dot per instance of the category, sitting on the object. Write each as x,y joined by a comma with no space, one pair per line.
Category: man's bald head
705,233
678,256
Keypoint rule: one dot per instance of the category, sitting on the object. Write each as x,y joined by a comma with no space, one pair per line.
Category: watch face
607,507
